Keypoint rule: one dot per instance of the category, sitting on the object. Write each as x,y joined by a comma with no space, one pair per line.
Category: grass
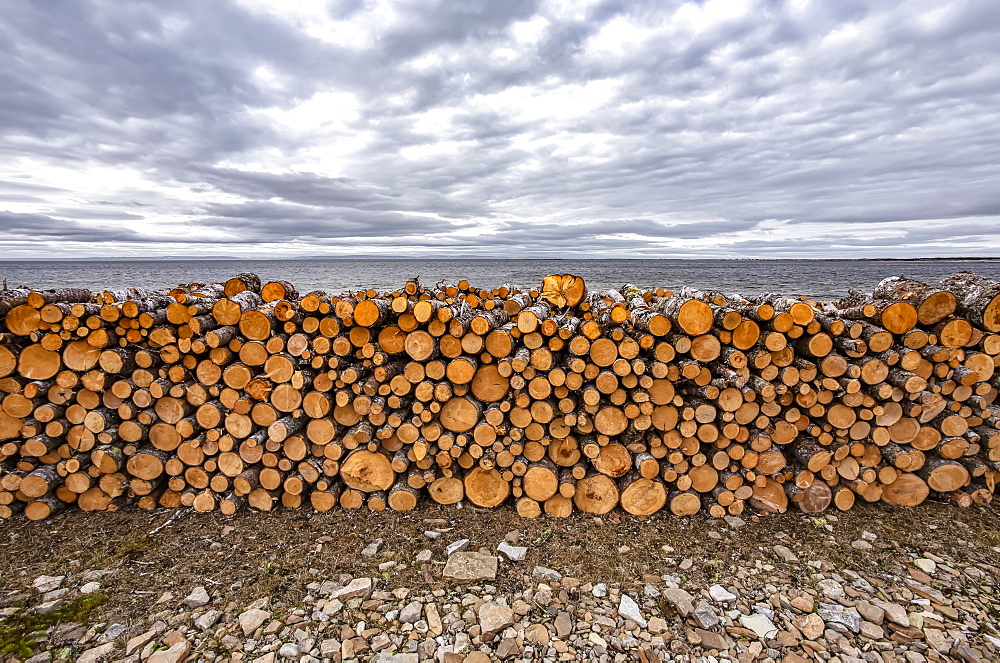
21,633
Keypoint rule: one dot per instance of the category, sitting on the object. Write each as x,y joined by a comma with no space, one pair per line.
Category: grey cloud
828,116
21,227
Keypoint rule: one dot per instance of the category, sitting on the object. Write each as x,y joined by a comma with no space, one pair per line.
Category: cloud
530,127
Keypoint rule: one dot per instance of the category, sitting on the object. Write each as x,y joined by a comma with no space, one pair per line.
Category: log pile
246,394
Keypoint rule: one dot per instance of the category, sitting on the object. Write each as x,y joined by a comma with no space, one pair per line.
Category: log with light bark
220,397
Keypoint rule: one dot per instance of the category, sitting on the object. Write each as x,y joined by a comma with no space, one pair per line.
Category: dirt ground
279,553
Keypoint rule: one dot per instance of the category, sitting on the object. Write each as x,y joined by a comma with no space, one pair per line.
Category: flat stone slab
470,566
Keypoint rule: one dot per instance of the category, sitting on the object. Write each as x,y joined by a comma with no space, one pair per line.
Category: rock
94,574
760,625
537,634
423,556
514,553
831,589
711,640
45,584
872,631
803,603
600,590
469,566
810,625
895,613
434,624
328,648
705,615
359,587
432,535
563,625
44,657
49,606
386,656
838,614
861,544
114,631
680,599
925,565
494,617
251,620
457,546
650,591
197,598
410,614
658,625
872,613
720,593
97,654
289,650
735,522
785,553
175,654
372,548
207,620
136,643
937,640
546,573
90,587
629,609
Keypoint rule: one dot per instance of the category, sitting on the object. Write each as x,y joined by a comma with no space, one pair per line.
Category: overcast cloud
519,128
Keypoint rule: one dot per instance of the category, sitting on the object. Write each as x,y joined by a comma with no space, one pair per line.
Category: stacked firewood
223,396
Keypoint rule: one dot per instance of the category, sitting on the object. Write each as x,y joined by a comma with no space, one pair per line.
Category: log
235,395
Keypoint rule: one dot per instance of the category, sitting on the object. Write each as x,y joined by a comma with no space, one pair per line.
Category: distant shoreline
467,258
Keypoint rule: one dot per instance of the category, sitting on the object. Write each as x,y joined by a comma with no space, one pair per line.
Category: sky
513,129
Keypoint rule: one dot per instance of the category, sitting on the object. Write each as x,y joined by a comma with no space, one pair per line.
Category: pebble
759,624
513,553
720,593
289,650
44,584
629,609
90,587
372,548
600,590
457,546
785,553
680,599
197,598
861,544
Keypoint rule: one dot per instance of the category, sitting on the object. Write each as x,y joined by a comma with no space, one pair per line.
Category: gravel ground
453,585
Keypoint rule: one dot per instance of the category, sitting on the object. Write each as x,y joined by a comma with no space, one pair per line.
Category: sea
819,279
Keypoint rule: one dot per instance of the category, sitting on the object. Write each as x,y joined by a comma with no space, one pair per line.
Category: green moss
21,633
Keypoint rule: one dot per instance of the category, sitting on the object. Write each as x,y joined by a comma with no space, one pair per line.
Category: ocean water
822,279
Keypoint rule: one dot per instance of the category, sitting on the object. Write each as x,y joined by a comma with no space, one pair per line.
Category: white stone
197,598
600,590
251,620
90,588
514,553
372,548
207,620
97,654
760,625
629,609
720,593
359,587
45,584
925,565
289,650
457,546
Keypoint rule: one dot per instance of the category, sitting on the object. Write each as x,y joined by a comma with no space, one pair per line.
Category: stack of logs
241,394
